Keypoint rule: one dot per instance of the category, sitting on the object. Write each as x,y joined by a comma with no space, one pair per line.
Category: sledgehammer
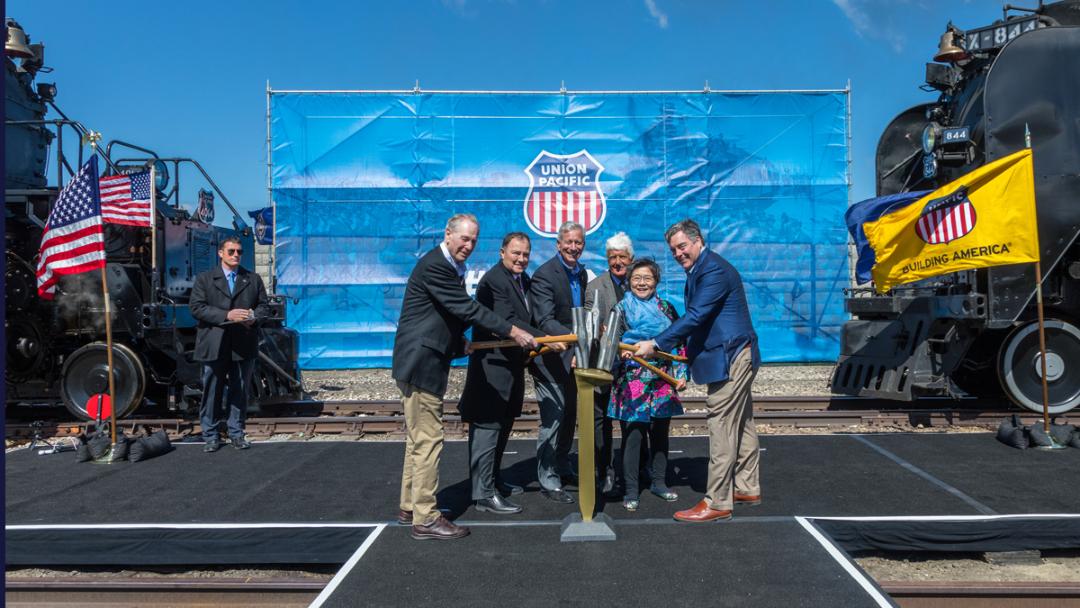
567,338
661,354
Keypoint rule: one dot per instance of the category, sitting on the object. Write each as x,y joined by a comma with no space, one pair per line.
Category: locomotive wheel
27,349
1020,366
85,375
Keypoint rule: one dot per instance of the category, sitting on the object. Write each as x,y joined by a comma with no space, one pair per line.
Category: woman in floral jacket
642,401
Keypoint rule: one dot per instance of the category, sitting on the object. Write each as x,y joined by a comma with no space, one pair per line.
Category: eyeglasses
232,251
642,280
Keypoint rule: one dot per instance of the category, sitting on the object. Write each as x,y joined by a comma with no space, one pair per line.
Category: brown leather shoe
702,512
404,517
747,499
440,529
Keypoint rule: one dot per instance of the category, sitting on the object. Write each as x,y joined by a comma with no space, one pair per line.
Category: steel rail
384,417
138,592
983,594
287,591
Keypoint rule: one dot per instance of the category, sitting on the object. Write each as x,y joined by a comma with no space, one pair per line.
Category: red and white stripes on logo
944,225
547,211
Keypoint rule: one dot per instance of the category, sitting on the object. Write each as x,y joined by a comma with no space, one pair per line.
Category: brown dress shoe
702,512
747,499
404,517
440,529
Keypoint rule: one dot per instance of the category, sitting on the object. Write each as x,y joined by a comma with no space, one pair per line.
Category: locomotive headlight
46,91
929,138
161,175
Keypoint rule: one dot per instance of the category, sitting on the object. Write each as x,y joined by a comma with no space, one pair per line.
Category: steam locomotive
56,350
975,332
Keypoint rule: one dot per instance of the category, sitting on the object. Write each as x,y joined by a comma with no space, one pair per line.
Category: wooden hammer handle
536,353
659,354
659,372
541,340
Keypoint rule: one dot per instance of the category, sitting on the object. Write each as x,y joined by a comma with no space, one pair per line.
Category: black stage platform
317,502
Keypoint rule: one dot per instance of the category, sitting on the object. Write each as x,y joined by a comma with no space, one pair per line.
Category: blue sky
189,78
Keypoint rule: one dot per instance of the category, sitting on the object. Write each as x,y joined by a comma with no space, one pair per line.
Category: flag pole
108,351
154,283
1042,347
1042,325
94,137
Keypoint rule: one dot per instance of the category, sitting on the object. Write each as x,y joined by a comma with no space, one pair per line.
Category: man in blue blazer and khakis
723,352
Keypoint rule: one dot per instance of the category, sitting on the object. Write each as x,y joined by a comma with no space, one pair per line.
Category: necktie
232,282
520,282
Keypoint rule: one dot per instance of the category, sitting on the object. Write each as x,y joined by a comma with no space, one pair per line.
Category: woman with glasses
642,401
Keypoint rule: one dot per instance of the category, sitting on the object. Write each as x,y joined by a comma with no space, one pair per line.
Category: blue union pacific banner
363,183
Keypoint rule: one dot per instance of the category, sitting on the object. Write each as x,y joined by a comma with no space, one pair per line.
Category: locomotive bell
948,50
16,45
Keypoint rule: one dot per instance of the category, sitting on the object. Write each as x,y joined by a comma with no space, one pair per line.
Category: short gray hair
569,227
454,222
619,242
688,227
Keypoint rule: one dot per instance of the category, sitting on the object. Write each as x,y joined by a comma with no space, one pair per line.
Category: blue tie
232,282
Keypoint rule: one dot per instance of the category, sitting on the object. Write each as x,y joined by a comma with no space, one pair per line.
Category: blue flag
264,225
871,210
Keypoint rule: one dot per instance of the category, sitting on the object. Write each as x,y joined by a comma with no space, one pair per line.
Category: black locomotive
975,332
56,349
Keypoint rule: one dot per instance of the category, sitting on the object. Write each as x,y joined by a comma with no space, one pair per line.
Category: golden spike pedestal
584,526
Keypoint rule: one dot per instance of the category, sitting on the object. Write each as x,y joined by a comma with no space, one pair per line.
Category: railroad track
137,592
385,418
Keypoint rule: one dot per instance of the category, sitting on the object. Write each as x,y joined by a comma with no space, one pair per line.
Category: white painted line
182,526
848,567
957,518
510,453
978,506
675,451
347,567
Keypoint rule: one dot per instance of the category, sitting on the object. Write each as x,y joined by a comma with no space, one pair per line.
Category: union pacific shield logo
947,218
564,188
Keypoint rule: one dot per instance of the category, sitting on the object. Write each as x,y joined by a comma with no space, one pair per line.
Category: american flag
73,241
125,199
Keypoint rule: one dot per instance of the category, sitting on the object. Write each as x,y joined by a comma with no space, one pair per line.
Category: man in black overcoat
227,300
557,287
495,384
434,315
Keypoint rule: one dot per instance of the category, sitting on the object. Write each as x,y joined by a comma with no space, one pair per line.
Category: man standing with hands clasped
434,315
227,300
723,351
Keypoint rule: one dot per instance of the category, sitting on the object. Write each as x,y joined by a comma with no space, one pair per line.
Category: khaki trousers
733,441
423,447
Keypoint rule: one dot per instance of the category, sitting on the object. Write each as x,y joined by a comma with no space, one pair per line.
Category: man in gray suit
601,295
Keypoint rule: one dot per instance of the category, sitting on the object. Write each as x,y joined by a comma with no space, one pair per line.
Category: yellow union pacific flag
985,218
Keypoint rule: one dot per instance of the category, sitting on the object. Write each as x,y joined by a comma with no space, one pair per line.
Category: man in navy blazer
723,351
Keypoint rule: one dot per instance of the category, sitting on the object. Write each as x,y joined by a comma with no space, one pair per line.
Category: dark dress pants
634,436
558,416
602,432
487,442
226,384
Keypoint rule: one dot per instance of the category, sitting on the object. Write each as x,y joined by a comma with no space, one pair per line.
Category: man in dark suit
495,384
601,295
434,314
227,301
557,287
723,351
